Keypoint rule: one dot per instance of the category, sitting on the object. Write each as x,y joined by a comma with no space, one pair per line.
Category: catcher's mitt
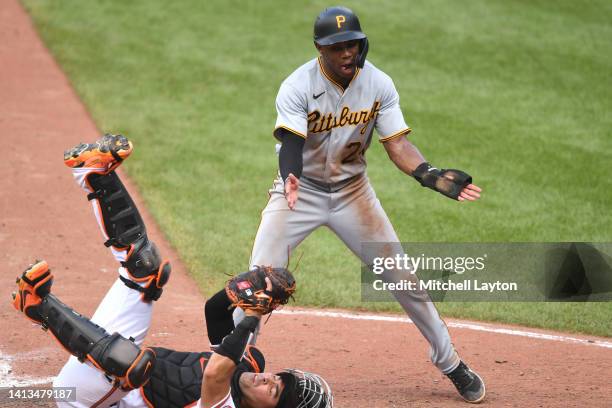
249,290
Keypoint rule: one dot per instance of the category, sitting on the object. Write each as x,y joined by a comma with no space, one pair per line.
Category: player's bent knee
124,360
112,354
145,265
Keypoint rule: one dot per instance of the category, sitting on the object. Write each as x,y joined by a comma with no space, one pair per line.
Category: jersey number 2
355,150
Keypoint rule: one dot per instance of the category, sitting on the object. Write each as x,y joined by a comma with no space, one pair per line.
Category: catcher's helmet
304,390
339,24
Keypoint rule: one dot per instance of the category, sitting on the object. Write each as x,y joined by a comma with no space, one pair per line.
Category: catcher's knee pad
124,360
113,354
144,264
33,286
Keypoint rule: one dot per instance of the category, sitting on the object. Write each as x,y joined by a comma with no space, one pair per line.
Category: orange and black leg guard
117,356
126,231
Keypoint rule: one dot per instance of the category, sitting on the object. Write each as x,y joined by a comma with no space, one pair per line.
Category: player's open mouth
347,68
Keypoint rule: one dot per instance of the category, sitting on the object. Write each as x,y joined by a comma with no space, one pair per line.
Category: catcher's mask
339,24
304,390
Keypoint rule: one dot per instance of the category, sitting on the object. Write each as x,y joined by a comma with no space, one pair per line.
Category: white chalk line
458,325
8,379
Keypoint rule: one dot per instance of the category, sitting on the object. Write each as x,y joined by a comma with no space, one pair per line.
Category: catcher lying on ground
109,367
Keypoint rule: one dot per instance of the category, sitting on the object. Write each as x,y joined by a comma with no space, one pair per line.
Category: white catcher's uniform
334,189
122,310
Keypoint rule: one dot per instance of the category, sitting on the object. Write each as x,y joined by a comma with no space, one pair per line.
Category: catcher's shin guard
33,286
117,356
126,231
121,220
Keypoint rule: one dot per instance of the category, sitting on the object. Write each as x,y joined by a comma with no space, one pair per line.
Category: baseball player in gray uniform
328,110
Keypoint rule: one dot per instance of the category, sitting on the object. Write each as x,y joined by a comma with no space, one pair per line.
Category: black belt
332,187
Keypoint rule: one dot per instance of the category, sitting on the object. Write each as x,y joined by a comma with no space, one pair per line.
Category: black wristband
233,344
449,182
426,175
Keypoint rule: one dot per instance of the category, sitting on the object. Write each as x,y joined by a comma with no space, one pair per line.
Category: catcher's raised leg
93,166
127,307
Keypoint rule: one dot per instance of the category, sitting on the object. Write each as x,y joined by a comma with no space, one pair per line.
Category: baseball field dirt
369,363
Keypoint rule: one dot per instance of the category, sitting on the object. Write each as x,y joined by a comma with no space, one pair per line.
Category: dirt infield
368,363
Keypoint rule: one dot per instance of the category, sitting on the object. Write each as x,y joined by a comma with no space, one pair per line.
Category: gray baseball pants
356,216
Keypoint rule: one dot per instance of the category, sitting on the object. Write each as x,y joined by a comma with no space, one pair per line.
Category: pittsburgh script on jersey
318,122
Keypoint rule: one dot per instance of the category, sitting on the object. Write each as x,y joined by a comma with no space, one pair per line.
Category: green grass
515,92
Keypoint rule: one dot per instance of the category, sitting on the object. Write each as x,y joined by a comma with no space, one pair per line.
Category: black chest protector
176,380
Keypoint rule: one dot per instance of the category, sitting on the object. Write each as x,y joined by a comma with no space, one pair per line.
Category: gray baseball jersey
338,124
334,189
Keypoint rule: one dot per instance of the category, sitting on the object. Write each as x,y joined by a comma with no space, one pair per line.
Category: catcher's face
340,59
261,390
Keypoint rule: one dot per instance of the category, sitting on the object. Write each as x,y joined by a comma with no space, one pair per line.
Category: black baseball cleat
468,383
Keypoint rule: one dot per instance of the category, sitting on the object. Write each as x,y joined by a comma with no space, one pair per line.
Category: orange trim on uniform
251,359
395,135
136,361
95,363
149,404
300,134
144,398
357,71
105,397
342,89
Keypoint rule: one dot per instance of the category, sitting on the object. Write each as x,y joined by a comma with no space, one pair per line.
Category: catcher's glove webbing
249,290
448,182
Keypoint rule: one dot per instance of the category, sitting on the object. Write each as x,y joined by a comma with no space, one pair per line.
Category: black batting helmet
339,24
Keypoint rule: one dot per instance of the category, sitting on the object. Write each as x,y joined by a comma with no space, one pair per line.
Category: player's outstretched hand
452,183
471,192
292,185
